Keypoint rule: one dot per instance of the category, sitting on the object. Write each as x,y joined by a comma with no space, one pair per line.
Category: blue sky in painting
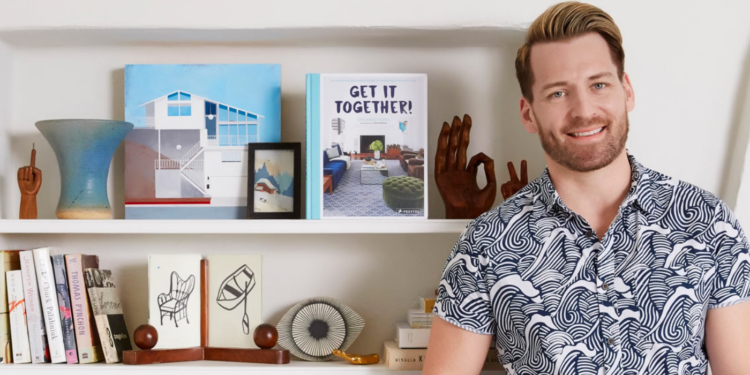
253,87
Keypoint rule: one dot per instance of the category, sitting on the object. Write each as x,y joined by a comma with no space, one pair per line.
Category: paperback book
50,306
8,261
34,316
19,334
110,322
66,315
87,339
366,140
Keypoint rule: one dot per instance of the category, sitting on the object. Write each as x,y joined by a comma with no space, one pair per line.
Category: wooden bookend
204,302
268,356
148,357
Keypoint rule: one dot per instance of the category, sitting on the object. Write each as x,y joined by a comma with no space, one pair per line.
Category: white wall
7,172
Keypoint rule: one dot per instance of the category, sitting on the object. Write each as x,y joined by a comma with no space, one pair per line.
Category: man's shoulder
495,219
673,191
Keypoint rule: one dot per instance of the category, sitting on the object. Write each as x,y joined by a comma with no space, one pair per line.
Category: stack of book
408,350
56,309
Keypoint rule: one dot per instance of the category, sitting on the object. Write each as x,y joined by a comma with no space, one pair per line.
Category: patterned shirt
558,300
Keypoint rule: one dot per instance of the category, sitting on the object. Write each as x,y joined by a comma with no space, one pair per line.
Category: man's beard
587,158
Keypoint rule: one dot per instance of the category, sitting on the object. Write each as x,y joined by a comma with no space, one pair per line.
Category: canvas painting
234,300
275,188
174,304
187,156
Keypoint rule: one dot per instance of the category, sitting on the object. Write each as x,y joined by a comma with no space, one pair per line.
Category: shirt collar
639,196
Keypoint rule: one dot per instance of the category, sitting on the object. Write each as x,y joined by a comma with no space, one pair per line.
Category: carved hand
29,181
514,185
457,181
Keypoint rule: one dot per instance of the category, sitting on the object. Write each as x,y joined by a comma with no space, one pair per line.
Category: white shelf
353,226
202,367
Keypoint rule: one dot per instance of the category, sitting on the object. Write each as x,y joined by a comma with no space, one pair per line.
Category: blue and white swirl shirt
532,273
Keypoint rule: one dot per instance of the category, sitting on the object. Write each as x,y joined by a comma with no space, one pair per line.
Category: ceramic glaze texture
84,150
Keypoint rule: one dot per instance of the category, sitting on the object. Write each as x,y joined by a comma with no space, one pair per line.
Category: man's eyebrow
554,84
600,75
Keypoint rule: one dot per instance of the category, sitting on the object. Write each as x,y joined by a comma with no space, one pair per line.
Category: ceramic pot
84,150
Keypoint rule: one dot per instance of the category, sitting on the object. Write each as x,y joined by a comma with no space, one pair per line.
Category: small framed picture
274,175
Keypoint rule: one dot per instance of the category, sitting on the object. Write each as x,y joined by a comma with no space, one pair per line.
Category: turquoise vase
84,150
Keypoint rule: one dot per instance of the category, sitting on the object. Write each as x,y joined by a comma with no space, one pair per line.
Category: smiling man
600,265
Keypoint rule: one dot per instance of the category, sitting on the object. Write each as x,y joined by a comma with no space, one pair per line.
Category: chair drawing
174,304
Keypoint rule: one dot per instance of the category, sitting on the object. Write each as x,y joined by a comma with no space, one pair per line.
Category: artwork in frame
185,158
274,181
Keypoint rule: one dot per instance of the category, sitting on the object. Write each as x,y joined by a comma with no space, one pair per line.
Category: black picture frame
282,146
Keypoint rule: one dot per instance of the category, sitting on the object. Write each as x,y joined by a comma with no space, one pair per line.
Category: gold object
358,359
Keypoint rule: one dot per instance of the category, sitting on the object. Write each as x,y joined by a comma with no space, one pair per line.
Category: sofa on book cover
335,166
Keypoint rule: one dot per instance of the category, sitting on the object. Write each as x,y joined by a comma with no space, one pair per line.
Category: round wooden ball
265,336
145,336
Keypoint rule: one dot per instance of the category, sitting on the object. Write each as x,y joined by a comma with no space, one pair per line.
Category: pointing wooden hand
29,181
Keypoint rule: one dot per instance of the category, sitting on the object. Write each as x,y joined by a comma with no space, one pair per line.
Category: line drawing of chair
174,303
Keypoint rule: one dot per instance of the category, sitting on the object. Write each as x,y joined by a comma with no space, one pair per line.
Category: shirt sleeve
731,283
463,295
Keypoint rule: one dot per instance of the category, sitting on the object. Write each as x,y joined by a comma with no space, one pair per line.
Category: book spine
107,309
18,329
34,318
312,138
50,307
66,316
87,340
413,359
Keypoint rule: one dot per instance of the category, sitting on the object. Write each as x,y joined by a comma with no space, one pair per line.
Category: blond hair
565,21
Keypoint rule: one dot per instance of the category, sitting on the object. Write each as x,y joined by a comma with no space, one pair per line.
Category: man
600,265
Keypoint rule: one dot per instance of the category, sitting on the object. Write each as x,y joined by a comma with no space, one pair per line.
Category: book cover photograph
186,157
110,321
366,146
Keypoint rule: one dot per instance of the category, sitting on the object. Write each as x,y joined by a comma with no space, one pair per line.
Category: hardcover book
413,359
174,299
87,338
18,331
366,146
66,315
8,261
34,316
110,322
187,156
50,308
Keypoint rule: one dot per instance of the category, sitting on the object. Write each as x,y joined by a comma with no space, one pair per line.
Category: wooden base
149,357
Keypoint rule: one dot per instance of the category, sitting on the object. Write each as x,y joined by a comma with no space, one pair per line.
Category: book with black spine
110,321
66,316
34,316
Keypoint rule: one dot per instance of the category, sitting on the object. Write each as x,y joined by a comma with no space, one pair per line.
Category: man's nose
583,106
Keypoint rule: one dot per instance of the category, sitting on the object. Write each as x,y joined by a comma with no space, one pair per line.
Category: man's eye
557,94
600,85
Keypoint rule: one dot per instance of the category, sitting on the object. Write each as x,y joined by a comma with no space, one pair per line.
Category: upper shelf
353,226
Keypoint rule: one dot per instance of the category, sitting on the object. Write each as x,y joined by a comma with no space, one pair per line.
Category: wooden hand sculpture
29,181
514,185
357,359
457,181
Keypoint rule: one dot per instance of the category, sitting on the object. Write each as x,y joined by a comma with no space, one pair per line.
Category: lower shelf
295,367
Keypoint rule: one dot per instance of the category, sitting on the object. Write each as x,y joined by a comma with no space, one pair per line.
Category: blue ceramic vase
84,150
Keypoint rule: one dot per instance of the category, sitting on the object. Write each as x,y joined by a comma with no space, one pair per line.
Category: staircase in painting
191,168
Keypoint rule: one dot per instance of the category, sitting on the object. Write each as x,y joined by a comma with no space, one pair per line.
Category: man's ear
629,93
527,116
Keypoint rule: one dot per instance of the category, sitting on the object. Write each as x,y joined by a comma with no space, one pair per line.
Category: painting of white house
274,181
187,156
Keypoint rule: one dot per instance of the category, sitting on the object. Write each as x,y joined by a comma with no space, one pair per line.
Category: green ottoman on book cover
403,192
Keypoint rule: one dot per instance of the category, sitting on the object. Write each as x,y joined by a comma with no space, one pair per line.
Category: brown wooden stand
204,352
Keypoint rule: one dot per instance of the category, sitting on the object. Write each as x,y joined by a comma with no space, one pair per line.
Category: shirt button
610,341
605,286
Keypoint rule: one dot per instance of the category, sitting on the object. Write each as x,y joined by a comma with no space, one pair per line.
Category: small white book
19,334
174,301
50,305
34,316
411,338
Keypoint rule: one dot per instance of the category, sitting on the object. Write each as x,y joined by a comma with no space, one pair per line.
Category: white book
19,334
411,338
174,301
50,305
34,318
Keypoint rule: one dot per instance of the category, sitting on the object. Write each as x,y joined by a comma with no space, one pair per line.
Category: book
187,156
18,331
355,121
174,303
66,315
34,316
87,338
50,308
419,319
413,359
410,338
427,304
110,322
8,262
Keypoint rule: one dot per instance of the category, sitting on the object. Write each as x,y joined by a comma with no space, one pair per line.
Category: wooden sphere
265,336
145,336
